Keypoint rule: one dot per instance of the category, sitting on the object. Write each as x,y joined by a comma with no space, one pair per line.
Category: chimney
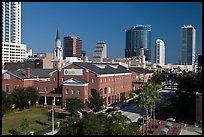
27,72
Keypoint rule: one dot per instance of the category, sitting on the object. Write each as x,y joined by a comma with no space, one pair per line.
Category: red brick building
139,77
74,80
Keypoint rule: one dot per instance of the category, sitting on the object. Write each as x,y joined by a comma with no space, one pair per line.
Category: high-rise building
72,46
12,48
188,44
138,37
11,22
100,52
160,52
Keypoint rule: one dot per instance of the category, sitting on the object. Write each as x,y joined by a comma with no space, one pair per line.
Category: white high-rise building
160,52
11,22
188,44
100,52
12,48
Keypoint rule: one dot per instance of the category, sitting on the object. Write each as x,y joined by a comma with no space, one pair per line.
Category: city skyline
107,21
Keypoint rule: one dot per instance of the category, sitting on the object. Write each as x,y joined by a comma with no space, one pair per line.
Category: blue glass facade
137,37
188,45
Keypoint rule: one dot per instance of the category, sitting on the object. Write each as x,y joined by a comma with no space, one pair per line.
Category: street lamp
53,117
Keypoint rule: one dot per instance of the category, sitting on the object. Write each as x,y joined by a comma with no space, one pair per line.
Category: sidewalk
50,133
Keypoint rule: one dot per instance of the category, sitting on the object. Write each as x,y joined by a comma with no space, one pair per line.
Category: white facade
160,52
57,61
11,22
12,52
100,52
70,60
12,48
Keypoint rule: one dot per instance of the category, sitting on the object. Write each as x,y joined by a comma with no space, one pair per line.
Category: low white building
13,52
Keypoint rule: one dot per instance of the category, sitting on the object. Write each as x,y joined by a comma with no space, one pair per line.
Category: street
134,113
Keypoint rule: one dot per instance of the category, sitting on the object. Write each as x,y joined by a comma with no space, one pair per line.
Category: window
72,91
66,91
92,80
7,88
62,79
45,89
79,91
105,90
54,78
37,88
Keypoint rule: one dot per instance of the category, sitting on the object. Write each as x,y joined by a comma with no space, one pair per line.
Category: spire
58,35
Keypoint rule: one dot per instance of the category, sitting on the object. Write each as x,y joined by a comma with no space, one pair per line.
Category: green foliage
122,96
74,104
99,124
24,125
21,96
6,102
187,84
96,101
13,131
131,95
159,77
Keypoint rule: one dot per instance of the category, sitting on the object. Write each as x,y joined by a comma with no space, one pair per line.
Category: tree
69,127
118,124
187,84
99,124
24,125
95,101
73,105
144,101
23,95
6,102
33,94
158,77
122,96
156,97
93,125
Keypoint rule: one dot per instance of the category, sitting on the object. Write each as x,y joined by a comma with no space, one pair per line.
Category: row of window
116,78
72,91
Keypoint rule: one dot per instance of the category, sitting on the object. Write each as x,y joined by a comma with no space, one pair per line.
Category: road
134,113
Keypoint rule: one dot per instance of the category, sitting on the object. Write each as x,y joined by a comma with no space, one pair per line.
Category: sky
107,21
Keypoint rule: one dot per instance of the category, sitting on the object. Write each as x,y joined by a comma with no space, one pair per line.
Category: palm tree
144,102
156,97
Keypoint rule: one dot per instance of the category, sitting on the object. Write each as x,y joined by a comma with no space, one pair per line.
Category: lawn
13,120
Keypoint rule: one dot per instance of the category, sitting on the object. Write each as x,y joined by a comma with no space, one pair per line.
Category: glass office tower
188,44
137,37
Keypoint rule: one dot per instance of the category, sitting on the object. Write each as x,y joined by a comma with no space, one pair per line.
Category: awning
168,124
164,130
170,119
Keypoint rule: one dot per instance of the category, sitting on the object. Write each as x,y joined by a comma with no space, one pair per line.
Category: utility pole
53,121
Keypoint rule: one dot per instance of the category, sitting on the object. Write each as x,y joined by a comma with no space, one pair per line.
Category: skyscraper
11,22
100,52
72,46
137,37
188,44
12,48
160,52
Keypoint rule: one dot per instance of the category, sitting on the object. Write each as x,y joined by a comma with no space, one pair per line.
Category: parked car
116,108
109,110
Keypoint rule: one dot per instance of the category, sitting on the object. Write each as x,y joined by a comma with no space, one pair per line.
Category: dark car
109,110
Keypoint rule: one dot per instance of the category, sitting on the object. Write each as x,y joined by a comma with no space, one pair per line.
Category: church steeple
58,35
57,59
